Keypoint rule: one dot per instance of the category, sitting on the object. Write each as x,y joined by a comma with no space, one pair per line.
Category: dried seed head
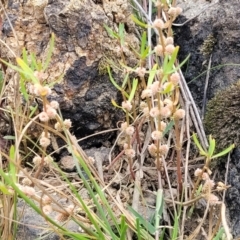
48,160
130,153
37,160
152,150
127,105
208,185
154,112
165,112
42,91
45,134
169,40
205,176
67,123
43,116
44,142
164,149
154,87
175,78
213,199
26,181
51,112
58,127
169,49
172,11
159,50
142,105
140,71
198,172
156,135
146,111
129,130
124,126
158,23
146,93
179,114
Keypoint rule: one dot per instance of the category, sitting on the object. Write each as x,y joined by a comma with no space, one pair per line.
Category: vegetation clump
222,119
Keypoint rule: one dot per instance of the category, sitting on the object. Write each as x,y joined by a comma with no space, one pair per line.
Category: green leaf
121,33
197,143
34,65
224,152
175,228
172,60
3,188
125,80
168,128
143,42
50,51
9,137
33,110
12,167
115,84
27,70
148,226
23,89
212,144
1,81
115,104
123,228
110,32
139,23
134,88
152,74
24,55
219,234
159,208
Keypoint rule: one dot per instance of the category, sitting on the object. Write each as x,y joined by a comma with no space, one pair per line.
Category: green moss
222,118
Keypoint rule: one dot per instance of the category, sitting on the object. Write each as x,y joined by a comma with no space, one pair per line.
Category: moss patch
222,119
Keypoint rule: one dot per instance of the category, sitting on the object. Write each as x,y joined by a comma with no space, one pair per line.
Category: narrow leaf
143,42
143,221
197,143
152,74
50,51
110,32
134,88
212,144
224,152
138,22
9,137
3,188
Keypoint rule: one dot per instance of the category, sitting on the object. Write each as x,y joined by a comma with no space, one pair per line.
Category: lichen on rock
222,118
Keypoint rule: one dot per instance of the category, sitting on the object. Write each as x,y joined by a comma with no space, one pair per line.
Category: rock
34,226
82,51
221,23
216,31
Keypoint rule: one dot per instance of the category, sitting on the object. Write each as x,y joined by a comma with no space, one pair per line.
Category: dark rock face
221,21
82,51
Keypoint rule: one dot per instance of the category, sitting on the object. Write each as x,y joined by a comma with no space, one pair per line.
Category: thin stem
178,150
